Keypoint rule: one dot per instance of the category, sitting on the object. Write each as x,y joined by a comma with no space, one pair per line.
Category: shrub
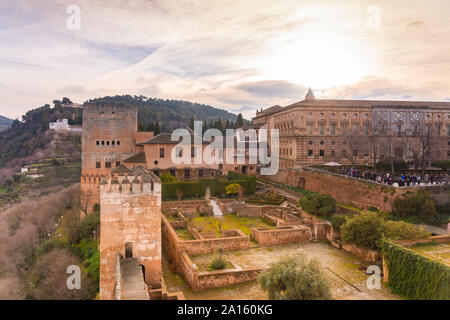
167,178
295,278
216,186
338,220
218,264
419,206
321,204
232,188
401,230
386,166
96,207
367,230
443,164
372,208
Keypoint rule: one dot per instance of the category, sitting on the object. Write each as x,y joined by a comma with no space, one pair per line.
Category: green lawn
230,222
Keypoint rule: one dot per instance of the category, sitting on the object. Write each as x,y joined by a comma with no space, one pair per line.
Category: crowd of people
402,179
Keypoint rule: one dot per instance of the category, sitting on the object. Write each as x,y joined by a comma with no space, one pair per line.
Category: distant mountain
5,123
171,114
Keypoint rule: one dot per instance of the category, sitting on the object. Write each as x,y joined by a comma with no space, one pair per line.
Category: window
366,129
321,115
344,128
156,172
187,173
333,153
332,116
415,130
310,153
97,143
107,143
333,143
161,152
355,126
220,166
98,165
200,173
322,143
438,131
113,143
310,142
321,128
333,129
118,142
399,129
117,163
107,164
321,153
193,152
103,142
355,115
448,130
310,115
310,129
172,172
344,115
344,152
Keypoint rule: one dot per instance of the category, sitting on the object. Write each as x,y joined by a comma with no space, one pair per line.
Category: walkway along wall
348,190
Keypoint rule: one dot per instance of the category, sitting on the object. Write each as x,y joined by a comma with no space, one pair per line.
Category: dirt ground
345,272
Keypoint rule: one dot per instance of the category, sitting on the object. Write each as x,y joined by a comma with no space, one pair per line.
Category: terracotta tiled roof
137,158
166,138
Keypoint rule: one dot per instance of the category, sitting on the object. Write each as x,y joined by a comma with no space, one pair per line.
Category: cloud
273,89
235,55
414,24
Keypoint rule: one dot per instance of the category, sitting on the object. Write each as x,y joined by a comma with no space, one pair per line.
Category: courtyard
434,251
345,272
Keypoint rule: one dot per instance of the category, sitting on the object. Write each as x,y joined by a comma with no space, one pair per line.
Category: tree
157,128
295,278
191,123
239,121
316,203
443,164
167,178
367,230
419,206
357,146
423,144
232,188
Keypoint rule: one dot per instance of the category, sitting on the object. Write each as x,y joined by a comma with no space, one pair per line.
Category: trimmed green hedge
198,188
414,276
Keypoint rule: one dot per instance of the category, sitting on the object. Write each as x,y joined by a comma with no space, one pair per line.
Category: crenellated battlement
96,107
130,184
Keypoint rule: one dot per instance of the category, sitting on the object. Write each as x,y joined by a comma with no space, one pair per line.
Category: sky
235,55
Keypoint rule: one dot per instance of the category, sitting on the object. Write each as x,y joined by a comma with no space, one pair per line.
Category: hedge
414,276
198,188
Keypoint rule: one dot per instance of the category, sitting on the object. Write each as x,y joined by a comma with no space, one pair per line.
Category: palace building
317,131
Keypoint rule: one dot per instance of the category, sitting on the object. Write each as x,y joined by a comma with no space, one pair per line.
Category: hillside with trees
169,114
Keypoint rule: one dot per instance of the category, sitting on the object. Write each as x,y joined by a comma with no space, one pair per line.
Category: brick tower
130,225
109,137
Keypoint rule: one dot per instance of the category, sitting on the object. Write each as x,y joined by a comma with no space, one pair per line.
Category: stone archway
301,183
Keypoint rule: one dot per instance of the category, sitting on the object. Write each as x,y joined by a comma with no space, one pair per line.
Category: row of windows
107,143
179,152
98,164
